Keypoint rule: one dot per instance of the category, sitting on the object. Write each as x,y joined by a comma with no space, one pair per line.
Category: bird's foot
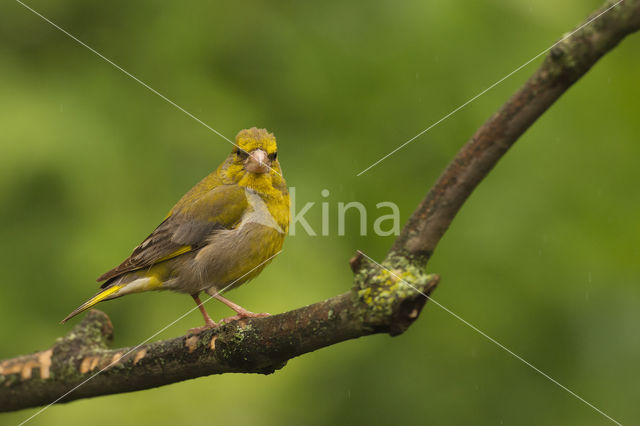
245,314
208,324
241,312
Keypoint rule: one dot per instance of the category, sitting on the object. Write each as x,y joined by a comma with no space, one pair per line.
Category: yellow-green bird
220,234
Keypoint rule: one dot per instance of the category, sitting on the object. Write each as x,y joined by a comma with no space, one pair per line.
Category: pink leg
208,322
242,312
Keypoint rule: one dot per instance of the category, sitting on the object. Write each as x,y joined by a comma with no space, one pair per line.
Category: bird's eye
273,156
242,154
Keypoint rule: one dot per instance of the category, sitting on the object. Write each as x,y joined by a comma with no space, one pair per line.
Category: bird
219,235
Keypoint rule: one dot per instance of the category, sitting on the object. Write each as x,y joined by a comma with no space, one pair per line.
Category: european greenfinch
221,233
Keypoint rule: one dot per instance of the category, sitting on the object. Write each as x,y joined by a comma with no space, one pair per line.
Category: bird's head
253,163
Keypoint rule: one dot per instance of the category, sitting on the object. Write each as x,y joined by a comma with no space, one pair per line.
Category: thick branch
378,302
565,64
260,345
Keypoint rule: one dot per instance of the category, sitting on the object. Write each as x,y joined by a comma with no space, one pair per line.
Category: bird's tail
108,293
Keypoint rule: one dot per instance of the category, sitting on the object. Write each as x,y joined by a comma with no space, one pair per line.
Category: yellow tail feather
94,300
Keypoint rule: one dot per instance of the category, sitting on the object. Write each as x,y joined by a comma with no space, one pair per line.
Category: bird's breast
259,213
234,256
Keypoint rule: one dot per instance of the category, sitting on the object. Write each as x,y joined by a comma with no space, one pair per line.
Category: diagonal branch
377,303
569,60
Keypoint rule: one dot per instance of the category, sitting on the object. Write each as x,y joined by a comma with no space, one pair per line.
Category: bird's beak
257,162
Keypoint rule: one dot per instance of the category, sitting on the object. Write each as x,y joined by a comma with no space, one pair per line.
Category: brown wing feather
186,230
161,246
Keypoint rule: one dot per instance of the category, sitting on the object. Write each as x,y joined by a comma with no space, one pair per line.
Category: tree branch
257,345
375,304
569,60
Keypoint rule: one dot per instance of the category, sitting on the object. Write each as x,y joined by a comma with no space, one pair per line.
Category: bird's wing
186,228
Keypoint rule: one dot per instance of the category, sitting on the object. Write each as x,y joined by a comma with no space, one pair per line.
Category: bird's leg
208,322
242,312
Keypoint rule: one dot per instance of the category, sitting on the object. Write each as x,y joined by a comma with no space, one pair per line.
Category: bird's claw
245,314
207,326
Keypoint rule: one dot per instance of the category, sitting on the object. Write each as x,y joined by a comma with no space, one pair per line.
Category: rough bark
258,345
377,303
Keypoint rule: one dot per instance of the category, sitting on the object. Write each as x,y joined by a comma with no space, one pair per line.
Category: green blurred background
543,257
